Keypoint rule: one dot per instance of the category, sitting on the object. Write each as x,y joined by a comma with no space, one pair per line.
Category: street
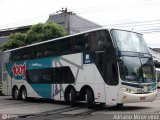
38,109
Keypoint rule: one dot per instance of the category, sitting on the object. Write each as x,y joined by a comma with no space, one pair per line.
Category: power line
115,7
129,25
150,23
142,22
141,30
118,4
92,9
150,3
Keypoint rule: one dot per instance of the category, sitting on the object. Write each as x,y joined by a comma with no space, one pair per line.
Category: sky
137,15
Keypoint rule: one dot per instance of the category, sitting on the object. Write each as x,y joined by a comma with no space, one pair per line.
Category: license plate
142,98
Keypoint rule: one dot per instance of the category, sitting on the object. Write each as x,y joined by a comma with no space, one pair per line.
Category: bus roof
102,28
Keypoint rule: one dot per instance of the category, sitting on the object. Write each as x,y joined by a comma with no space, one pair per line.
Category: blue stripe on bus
31,64
41,63
44,90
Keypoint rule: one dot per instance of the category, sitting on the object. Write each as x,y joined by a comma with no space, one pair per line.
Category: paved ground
9,106
37,109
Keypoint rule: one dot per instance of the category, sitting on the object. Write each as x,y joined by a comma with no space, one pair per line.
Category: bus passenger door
111,86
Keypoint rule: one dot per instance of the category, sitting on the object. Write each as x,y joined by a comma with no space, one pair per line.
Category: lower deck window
50,75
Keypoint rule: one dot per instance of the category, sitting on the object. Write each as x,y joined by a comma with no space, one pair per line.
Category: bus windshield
129,41
135,69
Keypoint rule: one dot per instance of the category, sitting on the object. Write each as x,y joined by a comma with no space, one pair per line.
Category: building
73,23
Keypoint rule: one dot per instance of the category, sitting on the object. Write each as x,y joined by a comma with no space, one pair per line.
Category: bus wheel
24,94
89,98
119,105
15,93
73,97
67,97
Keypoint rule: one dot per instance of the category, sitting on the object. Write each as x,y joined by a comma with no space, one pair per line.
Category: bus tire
119,105
24,94
15,93
67,97
73,97
89,98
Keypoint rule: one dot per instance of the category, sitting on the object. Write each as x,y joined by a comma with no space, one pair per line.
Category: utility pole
65,12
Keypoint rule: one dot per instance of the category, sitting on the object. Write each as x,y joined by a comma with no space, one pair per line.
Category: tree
15,40
37,33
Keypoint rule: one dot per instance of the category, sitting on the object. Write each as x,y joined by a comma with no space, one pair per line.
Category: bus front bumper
133,98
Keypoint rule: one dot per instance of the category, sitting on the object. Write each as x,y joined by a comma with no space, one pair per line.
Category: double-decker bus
105,66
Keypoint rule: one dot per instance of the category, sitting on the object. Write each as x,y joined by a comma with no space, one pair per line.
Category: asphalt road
38,109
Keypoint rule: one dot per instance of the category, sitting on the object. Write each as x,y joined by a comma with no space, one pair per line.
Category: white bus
104,66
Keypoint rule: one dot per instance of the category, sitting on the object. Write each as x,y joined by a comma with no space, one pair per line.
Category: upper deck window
129,41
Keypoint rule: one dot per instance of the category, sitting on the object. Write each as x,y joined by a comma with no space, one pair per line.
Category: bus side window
38,51
57,75
67,76
27,53
50,49
34,76
16,56
81,43
47,75
98,39
62,75
112,75
64,46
